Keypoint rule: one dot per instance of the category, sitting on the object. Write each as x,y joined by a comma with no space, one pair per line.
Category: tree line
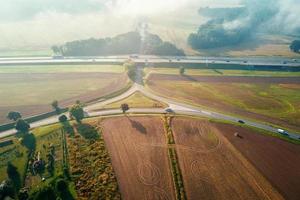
127,43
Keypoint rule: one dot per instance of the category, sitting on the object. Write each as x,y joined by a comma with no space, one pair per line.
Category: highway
148,59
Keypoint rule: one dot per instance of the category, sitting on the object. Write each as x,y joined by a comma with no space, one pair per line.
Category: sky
42,23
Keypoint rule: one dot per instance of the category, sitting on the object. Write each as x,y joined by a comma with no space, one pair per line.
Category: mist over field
34,23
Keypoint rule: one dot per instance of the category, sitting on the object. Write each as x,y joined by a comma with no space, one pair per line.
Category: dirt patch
212,168
226,79
141,164
277,160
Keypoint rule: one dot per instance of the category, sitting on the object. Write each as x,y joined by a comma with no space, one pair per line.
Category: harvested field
212,168
226,79
141,165
277,103
277,160
32,94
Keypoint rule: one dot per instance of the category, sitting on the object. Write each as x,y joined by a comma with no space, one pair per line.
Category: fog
36,23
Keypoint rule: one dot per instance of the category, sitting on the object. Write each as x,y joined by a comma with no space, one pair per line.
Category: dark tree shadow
14,176
190,78
87,131
138,126
68,128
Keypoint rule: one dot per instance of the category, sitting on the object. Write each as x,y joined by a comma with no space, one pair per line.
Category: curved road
177,107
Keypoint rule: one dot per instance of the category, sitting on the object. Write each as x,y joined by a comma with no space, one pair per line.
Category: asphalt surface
249,61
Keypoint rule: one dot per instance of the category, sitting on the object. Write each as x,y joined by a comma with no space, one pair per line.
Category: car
178,59
284,62
282,132
245,61
227,61
57,57
241,121
134,56
295,60
169,110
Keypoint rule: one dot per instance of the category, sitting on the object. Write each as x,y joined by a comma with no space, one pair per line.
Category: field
271,99
221,72
278,160
31,90
211,167
136,100
142,170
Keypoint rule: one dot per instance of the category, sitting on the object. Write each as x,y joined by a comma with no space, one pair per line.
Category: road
249,61
177,107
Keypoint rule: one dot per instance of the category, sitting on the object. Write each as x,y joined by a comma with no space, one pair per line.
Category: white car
282,132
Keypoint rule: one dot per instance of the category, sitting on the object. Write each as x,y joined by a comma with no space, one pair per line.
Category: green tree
62,118
22,126
55,106
181,70
124,107
7,189
13,115
56,49
295,46
76,111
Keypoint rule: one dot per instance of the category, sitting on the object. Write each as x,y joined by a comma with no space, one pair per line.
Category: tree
6,189
181,70
54,105
62,118
76,111
13,115
22,126
56,49
295,46
124,107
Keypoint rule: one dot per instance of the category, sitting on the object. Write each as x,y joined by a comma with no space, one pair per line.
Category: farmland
271,99
31,89
136,100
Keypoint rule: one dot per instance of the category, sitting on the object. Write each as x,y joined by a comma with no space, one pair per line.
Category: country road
177,107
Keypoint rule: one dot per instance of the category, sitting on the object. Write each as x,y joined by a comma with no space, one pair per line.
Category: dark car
241,121
169,110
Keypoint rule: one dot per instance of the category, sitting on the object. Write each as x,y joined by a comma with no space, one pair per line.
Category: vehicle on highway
227,61
169,110
178,59
284,62
57,57
241,121
133,56
245,61
282,132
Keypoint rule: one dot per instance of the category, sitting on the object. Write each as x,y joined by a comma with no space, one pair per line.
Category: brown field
143,171
212,168
277,160
226,79
270,99
37,90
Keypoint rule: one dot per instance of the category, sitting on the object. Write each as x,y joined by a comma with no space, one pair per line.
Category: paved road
178,108
249,61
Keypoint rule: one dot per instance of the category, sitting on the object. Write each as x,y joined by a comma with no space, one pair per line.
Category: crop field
220,72
277,160
274,100
32,92
136,100
142,170
211,168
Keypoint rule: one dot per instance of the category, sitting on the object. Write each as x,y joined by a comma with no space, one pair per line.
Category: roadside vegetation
174,162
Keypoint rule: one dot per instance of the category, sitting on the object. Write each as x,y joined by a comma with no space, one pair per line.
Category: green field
136,100
276,103
221,72
61,68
